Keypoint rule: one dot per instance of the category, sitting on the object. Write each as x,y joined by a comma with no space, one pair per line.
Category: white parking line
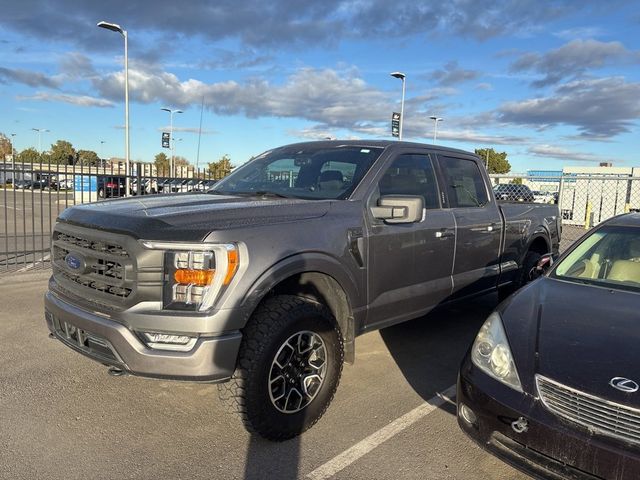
363,447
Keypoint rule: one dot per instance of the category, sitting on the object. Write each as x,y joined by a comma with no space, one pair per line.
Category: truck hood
190,216
582,335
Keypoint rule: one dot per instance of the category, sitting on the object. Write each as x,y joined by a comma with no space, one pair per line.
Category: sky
552,83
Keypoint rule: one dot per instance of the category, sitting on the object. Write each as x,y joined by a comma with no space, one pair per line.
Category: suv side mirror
399,209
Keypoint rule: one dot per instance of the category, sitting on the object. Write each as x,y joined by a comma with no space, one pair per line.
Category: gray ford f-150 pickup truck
265,281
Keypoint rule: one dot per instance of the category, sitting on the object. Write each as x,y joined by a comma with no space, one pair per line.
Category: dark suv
513,193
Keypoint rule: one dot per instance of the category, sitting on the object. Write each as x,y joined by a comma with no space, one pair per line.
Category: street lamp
171,112
401,76
40,132
435,126
102,142
13,160
117,28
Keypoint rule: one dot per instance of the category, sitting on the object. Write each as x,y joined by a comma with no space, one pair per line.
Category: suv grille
595,413
103,271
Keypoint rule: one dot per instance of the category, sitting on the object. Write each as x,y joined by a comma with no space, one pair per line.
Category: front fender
302,263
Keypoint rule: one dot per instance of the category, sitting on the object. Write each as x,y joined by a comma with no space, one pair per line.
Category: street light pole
171,112
40,131
402,77
13,160
435,127
117,28
102,142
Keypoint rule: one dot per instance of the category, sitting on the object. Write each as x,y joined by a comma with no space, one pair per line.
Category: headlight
491,353
196,274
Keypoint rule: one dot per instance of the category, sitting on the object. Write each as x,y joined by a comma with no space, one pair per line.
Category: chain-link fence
583,200
33,195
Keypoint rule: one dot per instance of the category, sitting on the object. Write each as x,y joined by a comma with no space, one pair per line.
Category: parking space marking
363,447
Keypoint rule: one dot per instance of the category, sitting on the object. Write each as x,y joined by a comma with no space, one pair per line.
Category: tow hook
116,372
520,425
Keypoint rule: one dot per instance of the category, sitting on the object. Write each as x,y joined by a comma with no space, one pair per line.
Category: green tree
180,161
220,168
88,157
516,181
161,161
28,155
497,162
62,152
5,146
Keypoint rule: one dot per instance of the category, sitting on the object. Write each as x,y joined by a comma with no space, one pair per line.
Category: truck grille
595,413
103,272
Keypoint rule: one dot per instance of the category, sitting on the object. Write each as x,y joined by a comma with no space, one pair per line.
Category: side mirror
399,209
543,266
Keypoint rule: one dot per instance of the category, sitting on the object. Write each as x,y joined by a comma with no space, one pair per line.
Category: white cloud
564,154
80,100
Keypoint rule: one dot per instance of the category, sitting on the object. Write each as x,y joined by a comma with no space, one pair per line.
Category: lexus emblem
624,384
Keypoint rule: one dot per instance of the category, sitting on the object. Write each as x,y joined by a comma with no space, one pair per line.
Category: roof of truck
377,143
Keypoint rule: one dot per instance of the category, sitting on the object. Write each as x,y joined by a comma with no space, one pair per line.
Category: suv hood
190,217
583,335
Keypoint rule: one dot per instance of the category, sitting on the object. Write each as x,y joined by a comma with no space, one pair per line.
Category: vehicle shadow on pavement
429,350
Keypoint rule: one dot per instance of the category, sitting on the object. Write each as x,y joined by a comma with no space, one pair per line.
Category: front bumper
550,448
112,343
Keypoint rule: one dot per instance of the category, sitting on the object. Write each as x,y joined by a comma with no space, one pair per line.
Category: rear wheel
530,261
288,369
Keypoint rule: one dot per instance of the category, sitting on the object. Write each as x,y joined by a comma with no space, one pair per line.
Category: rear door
409,264
478,225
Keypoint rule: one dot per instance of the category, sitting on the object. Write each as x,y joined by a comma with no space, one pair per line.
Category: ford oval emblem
74,261
624,384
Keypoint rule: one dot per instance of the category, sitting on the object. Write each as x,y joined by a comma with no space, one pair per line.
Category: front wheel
288,368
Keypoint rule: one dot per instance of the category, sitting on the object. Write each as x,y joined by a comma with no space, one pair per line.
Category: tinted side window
464,183
411,175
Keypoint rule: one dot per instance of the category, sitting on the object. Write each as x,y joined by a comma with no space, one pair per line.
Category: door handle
444,233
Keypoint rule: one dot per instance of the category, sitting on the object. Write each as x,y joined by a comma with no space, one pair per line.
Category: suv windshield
311,172
609,257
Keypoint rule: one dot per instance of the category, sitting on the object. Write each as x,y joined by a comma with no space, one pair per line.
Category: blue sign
85,183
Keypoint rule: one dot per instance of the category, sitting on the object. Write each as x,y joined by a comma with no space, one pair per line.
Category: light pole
102,142
171,112
117,28
40,132
435,126
13,160
402,77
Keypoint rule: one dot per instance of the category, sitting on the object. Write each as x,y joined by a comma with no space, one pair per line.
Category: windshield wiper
257,193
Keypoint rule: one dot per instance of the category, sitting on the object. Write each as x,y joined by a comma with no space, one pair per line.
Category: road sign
395,124
165,140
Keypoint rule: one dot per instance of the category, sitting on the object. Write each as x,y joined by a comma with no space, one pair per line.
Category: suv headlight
491,353
196,274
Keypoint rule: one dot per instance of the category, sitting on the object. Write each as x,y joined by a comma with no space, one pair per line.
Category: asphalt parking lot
63,417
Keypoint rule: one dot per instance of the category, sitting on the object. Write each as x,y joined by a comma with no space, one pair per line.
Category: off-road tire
247,393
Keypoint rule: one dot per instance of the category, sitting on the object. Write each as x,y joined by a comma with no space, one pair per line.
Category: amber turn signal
232,267
200,278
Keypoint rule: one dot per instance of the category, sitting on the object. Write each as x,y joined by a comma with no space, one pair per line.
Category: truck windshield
316,172
609,257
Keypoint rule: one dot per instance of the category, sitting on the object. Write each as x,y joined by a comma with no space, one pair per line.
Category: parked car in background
111,186
512,192
542,196
149,186
551,383
22,184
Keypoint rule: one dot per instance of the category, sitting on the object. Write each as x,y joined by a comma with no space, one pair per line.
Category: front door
409,264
